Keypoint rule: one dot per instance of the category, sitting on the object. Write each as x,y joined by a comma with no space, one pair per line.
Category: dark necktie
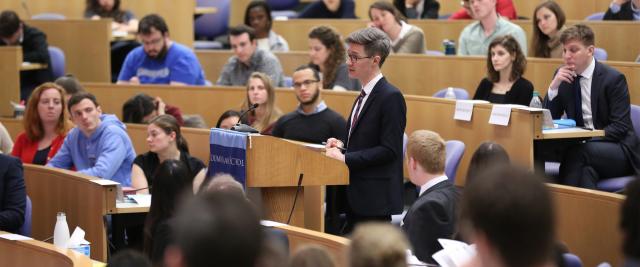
358,105
578,101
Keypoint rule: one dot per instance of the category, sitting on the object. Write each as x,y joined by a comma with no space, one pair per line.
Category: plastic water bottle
450,94
61,231
535,101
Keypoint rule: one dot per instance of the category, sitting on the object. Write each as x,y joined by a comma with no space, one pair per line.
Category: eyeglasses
306,83
354,58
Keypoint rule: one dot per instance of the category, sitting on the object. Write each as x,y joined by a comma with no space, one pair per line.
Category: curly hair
519,64
330,38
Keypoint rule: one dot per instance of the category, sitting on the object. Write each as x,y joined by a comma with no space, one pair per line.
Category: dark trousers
585,164
353,219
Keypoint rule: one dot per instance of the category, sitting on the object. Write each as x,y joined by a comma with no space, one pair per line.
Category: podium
274,165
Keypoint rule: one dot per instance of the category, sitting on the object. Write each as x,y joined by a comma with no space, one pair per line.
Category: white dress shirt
432,183
585,86
367,90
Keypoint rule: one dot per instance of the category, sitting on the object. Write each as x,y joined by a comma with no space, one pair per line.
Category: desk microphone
295,199
241,127
25,7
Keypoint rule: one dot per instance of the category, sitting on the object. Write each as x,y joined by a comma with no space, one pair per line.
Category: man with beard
160,60
314,122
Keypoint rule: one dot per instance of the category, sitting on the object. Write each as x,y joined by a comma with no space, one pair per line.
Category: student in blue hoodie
98,145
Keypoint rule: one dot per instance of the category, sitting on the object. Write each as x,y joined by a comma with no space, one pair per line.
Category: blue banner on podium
228,154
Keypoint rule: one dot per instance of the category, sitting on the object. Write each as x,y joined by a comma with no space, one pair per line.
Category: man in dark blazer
623,10
13,196
373,145
595,96
433,214
34,50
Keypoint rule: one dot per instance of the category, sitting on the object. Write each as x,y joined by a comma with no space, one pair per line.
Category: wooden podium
274,165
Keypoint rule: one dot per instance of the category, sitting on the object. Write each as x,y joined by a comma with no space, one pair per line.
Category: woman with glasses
327,53
260,91
405,38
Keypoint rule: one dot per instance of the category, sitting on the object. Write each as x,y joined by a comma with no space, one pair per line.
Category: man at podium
373,147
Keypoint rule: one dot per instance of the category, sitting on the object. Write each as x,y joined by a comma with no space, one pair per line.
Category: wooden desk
27,66
205,10
571,133
587,222
14,126
38,253
11,58
85,203
425,75
85,44
336,245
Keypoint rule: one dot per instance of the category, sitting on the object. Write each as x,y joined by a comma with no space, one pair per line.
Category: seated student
215,227
548,22
14,31
504,83
248,59
486,156
311,255
623,10
141,108
128,258
172,182
630,224
123,20
98,145
418,9
433,214
46,123
70,84
405,38
505,8
260,91
160,60
258,16
165,142
475,38
377,244
13,194
329,9
595,96
228,119
512,228
327,52
6,143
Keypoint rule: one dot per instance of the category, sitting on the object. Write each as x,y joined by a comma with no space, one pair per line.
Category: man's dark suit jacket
374,153
12,194
34,50
610,107
625,13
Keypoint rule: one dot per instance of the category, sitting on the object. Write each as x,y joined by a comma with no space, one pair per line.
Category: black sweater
520,93
315,128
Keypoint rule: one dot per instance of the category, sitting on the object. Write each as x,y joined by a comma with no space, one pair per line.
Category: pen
587,128
341,148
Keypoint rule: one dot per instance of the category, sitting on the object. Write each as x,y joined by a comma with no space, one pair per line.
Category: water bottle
61,231
449,47
535,101
450,94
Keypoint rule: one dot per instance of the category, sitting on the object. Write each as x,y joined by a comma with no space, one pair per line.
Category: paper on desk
142,200
454,253
77,238
500,115
267,223
104,182
119,33
15,237
464,110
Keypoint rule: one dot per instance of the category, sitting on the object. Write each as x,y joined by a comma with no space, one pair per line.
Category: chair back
455,150
595,16
49,16
25,229
461,94
571,260
213,25
57,61
600,54
635,118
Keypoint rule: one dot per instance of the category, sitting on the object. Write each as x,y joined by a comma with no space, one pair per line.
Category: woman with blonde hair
46,123
260,91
